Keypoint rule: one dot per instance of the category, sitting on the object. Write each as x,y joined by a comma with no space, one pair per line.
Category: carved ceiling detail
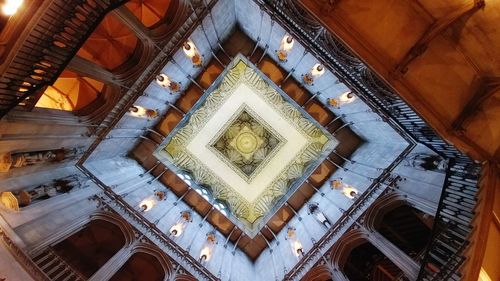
248,143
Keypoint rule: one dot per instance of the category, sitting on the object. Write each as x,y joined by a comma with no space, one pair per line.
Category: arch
91,247
184,277
356,242
366,262
125,227
158,254
382,206
150,12
318,273
400,223
147,263
110,45
70,92
341,250
174,17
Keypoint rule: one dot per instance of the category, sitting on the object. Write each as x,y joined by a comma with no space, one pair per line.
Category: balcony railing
452,223
445,254
52,42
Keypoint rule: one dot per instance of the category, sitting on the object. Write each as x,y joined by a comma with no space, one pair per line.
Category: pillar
114,263
398,257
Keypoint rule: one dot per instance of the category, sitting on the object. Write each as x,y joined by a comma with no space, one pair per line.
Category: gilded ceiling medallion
250,143
247,143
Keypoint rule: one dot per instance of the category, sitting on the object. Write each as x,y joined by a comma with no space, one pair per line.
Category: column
421,204
337,274
398,257
114,263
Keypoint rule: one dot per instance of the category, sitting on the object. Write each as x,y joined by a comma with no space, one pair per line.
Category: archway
140,267
318,273
407,228
110,45
70,92
149,12
91,247
367,263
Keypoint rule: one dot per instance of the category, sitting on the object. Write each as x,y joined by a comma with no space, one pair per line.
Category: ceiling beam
435,30
488,86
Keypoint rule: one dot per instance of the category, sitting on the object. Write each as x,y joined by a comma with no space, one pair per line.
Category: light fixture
192,53
316,71
177,229
344,98
206,251
297,248
164,81
348,190
141,112
286,46
10,7
147,204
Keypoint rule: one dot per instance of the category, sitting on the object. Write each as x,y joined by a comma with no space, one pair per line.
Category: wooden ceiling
442,57
240,43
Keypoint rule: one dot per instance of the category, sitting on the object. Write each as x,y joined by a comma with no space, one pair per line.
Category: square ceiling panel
246,143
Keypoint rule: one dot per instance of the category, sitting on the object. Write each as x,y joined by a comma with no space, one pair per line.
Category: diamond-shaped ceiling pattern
247,142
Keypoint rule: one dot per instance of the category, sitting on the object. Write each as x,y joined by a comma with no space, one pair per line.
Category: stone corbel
435,30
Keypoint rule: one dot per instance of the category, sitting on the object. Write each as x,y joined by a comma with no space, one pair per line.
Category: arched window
70,92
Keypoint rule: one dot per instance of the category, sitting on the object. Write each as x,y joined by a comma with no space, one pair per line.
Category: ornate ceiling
232,137
248,143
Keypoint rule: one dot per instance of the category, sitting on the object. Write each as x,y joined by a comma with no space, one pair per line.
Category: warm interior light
141,112
147,204
189,49
347,97
176,229
163,80
297,247
344,98
205,254
285,47
350,192
11,6
192,52
287,43
317,70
